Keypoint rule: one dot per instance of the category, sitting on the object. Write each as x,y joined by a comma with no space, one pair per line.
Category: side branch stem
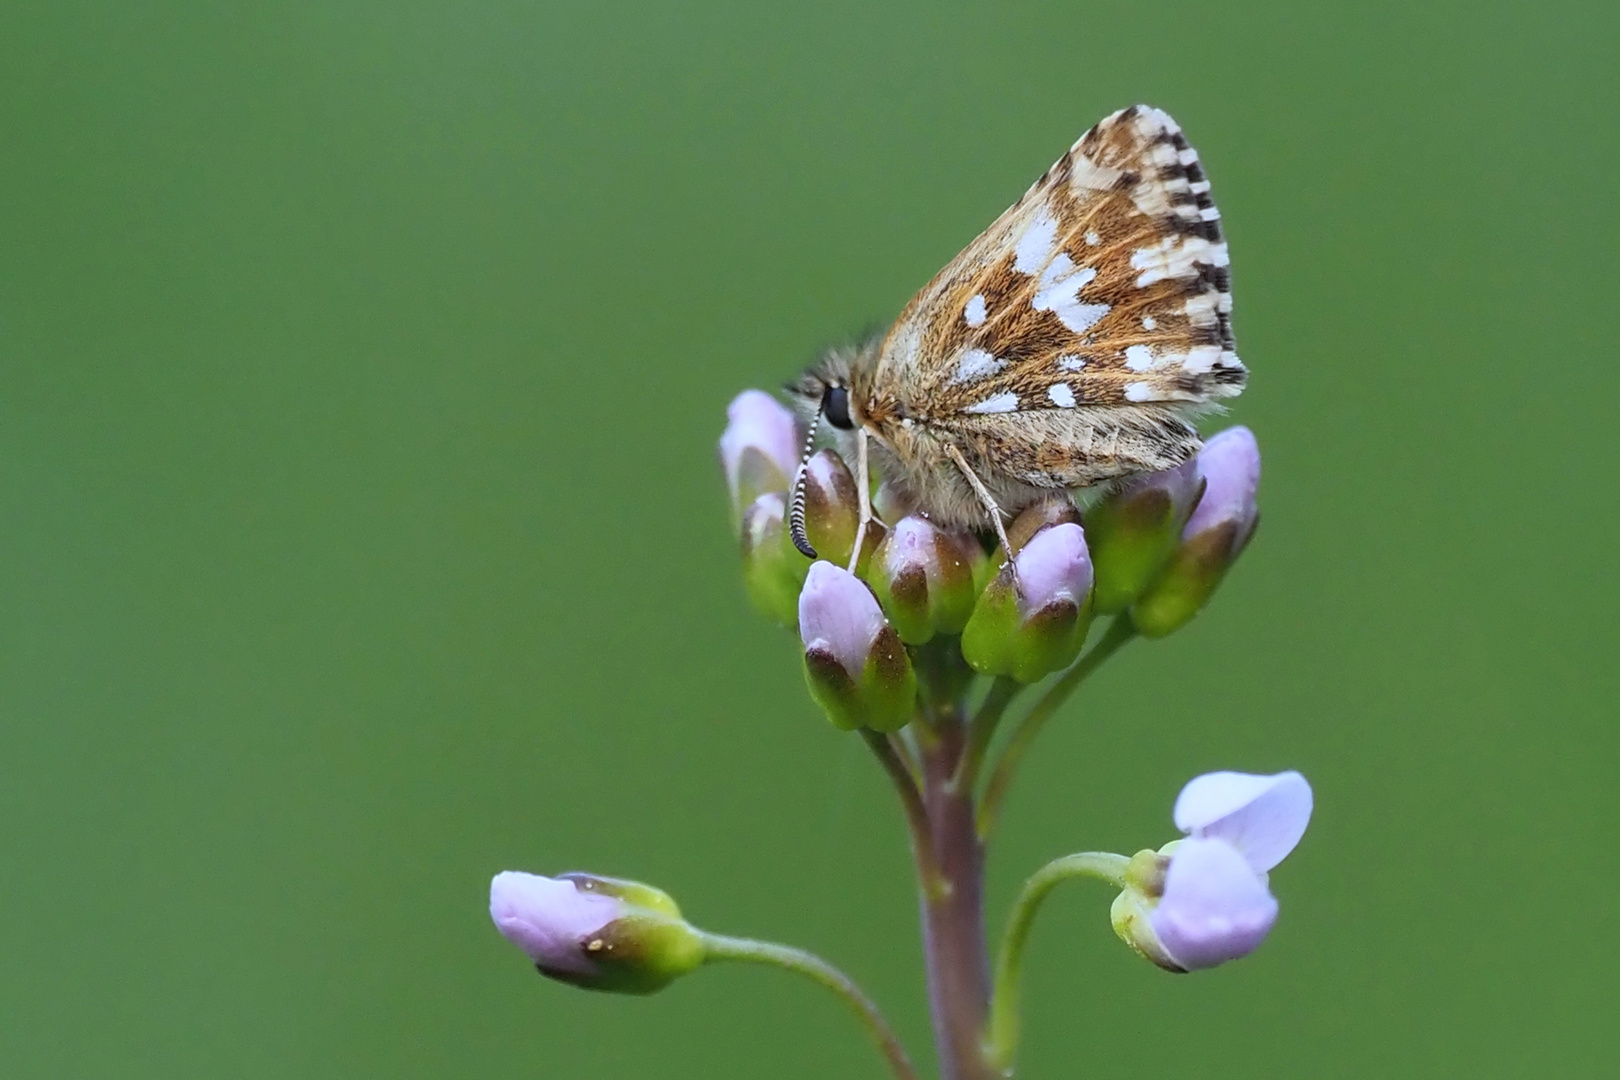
982,729
911,800
721,947
1001,1037
1118,633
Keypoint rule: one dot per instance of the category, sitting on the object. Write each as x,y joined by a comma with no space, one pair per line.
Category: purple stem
953,915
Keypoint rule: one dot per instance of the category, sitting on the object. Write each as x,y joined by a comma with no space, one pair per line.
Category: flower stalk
901,624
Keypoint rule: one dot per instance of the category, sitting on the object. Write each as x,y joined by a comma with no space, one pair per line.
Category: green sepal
1000,640
883,698
1194,572
916,607
832,512
1132,536
773,569
640,952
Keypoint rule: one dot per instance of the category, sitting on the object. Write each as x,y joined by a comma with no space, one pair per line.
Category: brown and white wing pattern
1105,285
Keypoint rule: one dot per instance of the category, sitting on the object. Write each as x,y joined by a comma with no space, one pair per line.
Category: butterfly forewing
1105,285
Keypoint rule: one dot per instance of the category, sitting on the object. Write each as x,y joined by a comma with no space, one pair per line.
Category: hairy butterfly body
1071,343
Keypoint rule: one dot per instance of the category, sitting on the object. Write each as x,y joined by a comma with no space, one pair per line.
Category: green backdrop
361,535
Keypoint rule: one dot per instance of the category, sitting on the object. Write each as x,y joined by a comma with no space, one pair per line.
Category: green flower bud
854,663
1134,531
594,932
1033,623
832,511
1057,510
1212,539
773,570
923,577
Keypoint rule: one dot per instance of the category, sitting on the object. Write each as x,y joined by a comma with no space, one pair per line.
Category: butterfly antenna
796,510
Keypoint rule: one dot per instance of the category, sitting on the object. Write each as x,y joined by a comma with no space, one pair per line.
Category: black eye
835,403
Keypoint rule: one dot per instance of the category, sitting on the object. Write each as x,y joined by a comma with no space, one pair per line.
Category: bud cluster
1152,552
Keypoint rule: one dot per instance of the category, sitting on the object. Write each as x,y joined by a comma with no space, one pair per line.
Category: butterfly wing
1106,285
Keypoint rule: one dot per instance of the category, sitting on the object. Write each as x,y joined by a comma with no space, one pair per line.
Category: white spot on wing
1138,391
974,312
1062,396
1072,363
1058,291
1035,246
975,365
1006,401
1093,238
1138,358
1149,323
1175,257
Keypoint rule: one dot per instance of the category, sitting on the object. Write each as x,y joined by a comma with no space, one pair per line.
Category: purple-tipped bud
832,511
594,932
760,447
1214,536
773,570
1229,465
1205,900
1053,568
1031,619
855,665
923,577
1134,531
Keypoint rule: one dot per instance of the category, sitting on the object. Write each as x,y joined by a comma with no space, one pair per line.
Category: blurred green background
361,535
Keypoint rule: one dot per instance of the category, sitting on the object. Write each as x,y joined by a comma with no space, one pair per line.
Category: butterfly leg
863,490
984,497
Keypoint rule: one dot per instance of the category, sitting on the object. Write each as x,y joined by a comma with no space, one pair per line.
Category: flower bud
832,511
1133,532
1032,623
1205,900
857,669
594,932
773,570
923,577
1055,510
1213,537
759,449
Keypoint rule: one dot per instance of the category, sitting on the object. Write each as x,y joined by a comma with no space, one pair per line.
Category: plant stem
982,730
1119,632
905,785
1001,1038
953,916
721,947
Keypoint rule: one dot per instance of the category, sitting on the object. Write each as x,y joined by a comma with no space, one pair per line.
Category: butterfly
1072,343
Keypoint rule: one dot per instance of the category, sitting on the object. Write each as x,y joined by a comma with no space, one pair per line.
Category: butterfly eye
835,403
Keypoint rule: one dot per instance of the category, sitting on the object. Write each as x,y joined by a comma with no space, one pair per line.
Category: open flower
1205,900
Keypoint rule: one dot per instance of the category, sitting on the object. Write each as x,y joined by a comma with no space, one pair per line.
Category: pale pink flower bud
759,423
548,919
854,662
839,615
1230,466
1052,567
